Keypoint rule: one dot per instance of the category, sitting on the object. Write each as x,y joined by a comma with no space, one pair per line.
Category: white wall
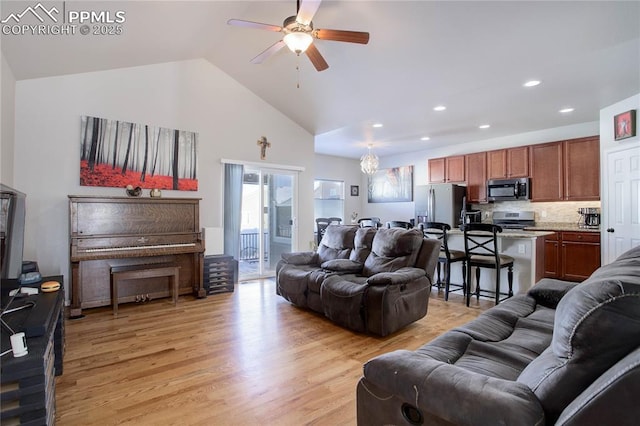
7,109
188,95
609,144
405,211
607,141
348,171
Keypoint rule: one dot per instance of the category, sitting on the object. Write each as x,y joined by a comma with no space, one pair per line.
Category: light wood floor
242,358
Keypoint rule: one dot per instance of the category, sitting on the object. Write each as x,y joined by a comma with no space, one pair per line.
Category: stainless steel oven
508,189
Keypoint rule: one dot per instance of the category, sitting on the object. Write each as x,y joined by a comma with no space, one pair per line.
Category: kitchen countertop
513,233
559,226
540,229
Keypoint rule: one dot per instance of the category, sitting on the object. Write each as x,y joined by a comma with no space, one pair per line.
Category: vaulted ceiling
472,57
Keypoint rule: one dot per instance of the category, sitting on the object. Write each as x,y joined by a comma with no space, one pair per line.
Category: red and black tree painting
117,153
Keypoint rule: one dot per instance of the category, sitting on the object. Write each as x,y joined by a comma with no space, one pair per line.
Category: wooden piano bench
134,272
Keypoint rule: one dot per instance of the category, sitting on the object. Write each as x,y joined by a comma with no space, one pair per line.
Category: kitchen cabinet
582,169
566,171
436,170
476,174
447,169
571,255
547,173
508,163
552,256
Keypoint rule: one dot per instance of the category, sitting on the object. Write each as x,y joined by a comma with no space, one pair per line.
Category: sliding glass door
267,220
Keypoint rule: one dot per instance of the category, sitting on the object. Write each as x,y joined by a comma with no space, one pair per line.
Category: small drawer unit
220,274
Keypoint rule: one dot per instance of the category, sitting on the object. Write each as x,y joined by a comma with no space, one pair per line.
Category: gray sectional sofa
368,280
564,353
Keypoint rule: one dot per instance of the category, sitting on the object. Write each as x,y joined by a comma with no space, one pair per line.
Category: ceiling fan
299,34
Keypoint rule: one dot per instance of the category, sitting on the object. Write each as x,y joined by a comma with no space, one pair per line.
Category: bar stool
370,222
447,257
481,247
321,226
399,224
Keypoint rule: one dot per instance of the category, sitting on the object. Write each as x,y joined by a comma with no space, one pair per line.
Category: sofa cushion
336,243
392,249
342,301
596,324
316,278
362,244
500,343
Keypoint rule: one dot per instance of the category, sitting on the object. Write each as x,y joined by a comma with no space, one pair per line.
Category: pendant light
369,162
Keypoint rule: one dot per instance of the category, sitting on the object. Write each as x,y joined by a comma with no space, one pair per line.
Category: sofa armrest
343,265
401,276
300,258
548,291
452,393
609,399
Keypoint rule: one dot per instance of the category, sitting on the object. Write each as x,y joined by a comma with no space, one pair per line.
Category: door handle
611,230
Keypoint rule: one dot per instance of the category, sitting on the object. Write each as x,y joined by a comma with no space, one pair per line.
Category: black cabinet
28,382
220,274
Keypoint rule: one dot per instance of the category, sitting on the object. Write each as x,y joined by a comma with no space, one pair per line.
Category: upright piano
120,231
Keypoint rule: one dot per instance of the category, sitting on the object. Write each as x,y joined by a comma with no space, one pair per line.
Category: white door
621,226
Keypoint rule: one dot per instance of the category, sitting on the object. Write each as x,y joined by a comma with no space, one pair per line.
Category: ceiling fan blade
268,52
308,9
256,25
340,35
316,58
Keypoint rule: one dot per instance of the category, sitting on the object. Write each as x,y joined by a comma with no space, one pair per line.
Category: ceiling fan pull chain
298,72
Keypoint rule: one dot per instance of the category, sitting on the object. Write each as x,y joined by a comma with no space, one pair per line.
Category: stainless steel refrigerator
439,202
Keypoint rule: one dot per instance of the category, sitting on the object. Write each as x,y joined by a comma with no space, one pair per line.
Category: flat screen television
12,221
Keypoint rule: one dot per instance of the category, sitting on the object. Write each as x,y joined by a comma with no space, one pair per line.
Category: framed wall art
624,125
355,190
393,185
117,153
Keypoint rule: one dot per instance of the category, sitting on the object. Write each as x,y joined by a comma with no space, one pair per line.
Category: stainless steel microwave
508,189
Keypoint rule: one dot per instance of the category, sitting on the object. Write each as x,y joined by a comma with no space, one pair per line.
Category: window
328,198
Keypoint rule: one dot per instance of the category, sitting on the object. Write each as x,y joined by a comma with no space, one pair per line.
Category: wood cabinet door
436,170
454,168
580,255
582,169
552,256
547,181
497,164
518,162
579,260
476,172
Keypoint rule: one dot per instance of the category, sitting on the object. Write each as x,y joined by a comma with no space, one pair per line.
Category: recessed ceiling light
484,126
377,125
566,110
531,83
440,108
425,138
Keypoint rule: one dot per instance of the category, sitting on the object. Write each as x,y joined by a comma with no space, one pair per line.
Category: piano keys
120,231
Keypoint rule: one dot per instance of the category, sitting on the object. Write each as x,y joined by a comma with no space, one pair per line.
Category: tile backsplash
560,212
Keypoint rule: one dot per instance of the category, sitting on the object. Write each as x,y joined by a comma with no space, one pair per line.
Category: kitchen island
526,248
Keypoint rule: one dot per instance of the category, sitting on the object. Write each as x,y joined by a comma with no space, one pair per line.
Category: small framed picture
624,125
355,190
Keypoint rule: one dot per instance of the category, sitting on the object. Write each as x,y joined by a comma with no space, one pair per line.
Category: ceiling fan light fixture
369,162
298,41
